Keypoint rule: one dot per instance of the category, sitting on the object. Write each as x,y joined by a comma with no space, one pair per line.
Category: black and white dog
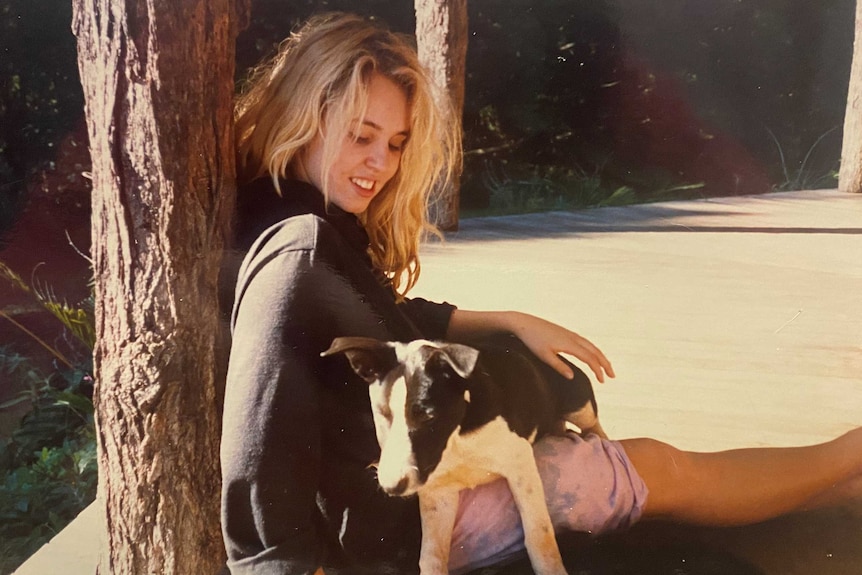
450,417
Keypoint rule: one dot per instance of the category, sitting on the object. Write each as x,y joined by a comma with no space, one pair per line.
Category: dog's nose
398,489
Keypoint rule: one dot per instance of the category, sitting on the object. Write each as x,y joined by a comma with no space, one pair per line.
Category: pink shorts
590,486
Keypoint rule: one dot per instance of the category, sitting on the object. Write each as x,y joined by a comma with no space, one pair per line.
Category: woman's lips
364,187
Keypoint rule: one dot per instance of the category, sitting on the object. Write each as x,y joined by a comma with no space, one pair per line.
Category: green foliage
552,114
527,188
79,320
15,367
804,177
547,97
48,469
514,189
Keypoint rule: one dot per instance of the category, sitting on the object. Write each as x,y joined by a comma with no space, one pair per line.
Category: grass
529,189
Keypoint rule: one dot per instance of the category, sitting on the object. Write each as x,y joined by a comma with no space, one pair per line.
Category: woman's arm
545,339
298,436
270,447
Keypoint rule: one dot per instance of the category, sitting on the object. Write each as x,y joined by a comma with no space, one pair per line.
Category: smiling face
370,155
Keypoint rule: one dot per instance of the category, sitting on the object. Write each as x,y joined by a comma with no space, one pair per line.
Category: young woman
341,142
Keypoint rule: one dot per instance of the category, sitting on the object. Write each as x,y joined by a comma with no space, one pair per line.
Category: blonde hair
317,84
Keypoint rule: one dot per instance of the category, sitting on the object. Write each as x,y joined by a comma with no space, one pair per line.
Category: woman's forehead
387,108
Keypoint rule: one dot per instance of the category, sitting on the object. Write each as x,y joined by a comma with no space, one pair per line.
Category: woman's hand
545,339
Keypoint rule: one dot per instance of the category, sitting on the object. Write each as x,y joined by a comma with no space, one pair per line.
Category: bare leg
746,485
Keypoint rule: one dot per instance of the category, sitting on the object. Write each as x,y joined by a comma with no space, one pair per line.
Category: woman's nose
379,157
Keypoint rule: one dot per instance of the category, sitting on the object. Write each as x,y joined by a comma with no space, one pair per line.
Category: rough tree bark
158,85
850,174
441,35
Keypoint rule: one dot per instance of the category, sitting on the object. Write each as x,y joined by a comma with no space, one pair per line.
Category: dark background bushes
726,96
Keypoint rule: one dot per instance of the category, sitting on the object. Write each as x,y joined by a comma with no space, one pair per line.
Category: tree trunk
850,174
441,34
158,86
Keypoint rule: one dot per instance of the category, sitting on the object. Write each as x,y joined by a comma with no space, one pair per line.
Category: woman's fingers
587,352
554,361
547,339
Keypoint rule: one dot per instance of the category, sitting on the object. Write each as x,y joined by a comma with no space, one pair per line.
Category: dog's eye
439,368
420,413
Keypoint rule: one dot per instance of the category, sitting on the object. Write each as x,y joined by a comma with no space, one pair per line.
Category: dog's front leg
438,508
526,486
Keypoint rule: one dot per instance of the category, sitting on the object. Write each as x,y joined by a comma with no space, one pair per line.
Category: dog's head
419,394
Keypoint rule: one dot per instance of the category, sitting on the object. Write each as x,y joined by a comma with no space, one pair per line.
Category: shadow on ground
639,552
764,214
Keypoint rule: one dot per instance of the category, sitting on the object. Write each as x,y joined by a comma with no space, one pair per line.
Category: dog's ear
370,358
462,358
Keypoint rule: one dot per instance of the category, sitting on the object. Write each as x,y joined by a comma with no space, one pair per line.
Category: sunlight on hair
317,84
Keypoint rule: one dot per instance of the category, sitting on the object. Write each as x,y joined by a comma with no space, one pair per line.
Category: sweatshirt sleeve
289,297
270,446
431,318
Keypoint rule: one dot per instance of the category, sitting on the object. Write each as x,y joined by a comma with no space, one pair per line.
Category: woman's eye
358,138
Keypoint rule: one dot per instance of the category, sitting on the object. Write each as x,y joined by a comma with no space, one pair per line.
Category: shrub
48,469
48,465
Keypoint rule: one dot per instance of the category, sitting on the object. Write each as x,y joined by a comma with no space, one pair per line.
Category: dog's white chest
473,459
478,457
